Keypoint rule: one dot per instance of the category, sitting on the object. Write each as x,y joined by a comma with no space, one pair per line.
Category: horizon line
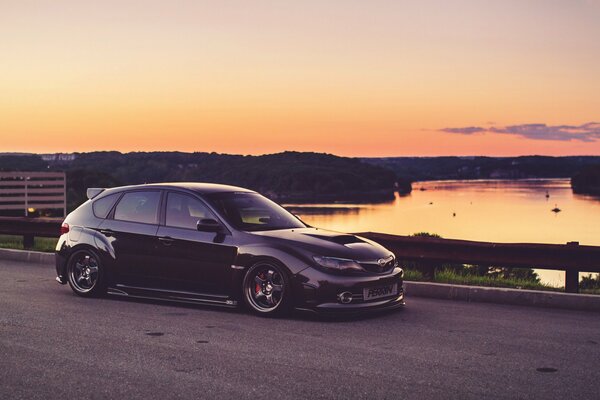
23,153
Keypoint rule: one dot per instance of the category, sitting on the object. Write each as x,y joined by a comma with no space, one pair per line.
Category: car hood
328,243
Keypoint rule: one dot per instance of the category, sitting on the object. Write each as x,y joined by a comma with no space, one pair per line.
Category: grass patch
450,276
413,275
39,244
590,284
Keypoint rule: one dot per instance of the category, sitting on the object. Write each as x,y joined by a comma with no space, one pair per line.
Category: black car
222,245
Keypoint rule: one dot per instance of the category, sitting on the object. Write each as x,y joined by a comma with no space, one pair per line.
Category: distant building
55,157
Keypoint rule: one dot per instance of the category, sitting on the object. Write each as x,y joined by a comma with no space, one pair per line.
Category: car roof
198,187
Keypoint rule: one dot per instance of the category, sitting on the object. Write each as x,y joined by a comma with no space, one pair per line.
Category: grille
377,267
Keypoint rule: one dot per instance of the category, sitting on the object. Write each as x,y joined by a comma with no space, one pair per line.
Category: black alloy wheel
266,289
85,273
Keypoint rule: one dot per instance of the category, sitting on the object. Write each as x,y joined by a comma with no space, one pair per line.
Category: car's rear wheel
85,273
267,289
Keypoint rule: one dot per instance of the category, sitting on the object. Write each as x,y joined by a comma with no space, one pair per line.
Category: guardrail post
428,269
572,281
28,241
572,276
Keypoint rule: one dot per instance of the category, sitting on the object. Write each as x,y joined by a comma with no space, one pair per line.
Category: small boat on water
556,209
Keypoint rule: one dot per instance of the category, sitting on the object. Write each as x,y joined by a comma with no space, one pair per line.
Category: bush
590,283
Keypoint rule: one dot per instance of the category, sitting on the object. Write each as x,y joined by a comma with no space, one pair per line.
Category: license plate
380,291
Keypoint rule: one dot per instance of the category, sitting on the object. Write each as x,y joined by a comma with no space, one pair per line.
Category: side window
103,206
185,211
138,207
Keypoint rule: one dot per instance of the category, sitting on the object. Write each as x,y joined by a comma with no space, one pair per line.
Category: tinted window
103,206
253,212
185,211
138,207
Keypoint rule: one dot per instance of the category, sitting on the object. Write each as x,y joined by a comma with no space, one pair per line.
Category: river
486,210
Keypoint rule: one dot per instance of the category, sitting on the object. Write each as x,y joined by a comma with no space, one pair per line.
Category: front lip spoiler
340,310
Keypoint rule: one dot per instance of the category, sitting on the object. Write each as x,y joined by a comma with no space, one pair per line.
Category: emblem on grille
383,261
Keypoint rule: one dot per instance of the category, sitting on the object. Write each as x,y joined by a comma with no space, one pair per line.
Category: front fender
292,259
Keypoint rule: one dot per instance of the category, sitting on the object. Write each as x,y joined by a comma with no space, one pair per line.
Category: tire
85,273
267,290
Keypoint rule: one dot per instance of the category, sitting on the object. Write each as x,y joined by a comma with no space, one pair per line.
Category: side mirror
208,225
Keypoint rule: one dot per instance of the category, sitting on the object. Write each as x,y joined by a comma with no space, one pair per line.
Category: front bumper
320,292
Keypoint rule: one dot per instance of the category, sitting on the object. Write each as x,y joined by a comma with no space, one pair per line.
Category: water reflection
488,210
321,209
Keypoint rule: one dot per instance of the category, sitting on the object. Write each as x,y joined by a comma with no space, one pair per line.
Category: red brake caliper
258,288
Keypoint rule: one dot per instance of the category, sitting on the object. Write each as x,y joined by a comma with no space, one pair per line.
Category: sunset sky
356,78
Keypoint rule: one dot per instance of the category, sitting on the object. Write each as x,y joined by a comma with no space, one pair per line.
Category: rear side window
103,206
139,207
185,211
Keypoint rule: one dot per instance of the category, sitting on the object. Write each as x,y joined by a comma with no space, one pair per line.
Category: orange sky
358,78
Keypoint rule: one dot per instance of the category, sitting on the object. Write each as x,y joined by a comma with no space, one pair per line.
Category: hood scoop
339,239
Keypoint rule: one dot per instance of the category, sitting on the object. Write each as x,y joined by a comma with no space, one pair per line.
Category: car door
192,260
131,228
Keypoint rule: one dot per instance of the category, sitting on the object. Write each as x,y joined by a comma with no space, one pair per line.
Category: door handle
107,232
167,241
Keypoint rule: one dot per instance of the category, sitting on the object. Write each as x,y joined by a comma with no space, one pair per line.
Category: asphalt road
54,344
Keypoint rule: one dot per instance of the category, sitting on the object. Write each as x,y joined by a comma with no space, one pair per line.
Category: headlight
338,264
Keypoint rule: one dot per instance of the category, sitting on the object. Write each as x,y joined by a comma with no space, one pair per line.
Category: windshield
248,211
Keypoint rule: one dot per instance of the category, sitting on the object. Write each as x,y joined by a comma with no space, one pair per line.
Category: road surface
54,344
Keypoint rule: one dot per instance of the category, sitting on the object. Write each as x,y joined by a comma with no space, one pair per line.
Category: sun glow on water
489,210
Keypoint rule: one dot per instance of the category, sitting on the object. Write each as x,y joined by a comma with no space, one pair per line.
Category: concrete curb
36,257
535,298
432,290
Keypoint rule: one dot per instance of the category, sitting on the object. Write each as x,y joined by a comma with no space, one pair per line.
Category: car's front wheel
267,289
85,273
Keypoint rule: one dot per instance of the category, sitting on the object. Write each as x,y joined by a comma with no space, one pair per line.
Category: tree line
287,176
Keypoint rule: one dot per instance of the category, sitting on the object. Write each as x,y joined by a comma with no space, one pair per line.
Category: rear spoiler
93,192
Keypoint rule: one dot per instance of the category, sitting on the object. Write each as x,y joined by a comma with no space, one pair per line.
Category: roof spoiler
93,192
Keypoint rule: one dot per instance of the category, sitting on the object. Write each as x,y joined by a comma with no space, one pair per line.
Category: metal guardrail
429,253
29,228
31,191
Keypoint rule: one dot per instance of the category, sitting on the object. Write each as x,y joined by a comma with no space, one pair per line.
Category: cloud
589,132
468,130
